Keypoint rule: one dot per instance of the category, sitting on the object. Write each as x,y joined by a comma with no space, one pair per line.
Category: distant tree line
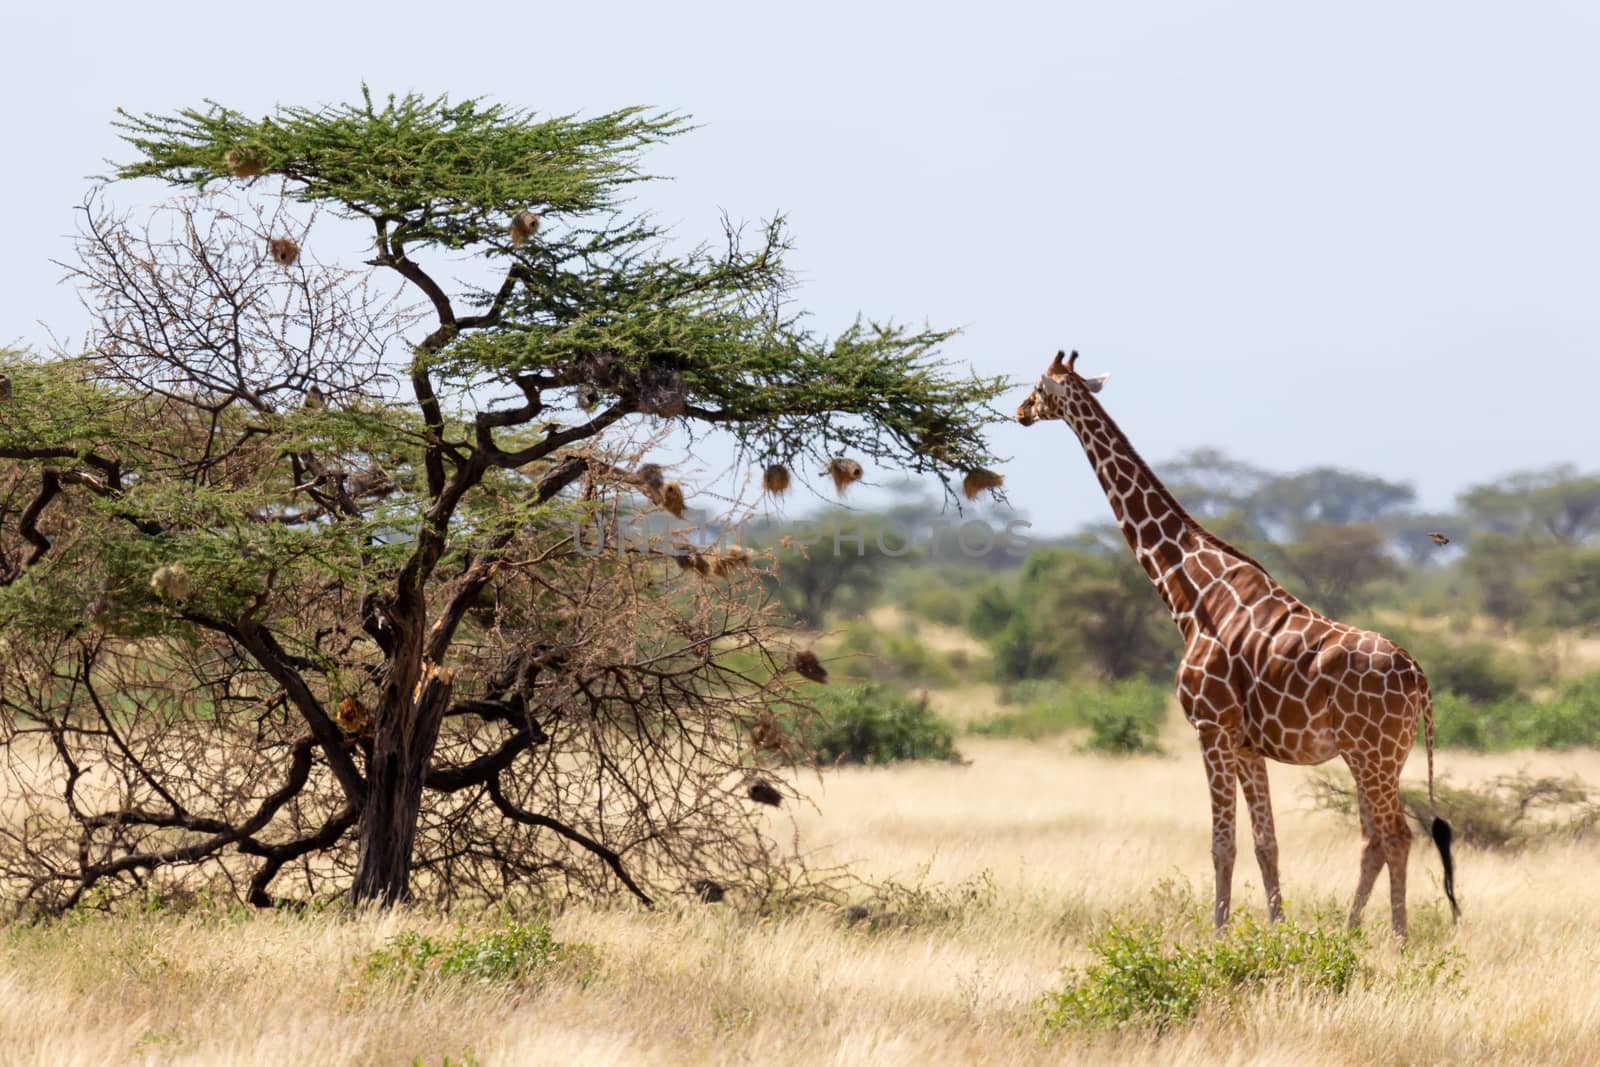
1522,551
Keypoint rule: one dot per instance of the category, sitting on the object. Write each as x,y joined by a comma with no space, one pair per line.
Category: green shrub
1577,721
1558,724
1030,691
1123,716
1024,648
1080,608
1475,670
945,592
873,724
1140,981
1123,734
1570,719
925,595
899,656
511,954
991,611
1461,723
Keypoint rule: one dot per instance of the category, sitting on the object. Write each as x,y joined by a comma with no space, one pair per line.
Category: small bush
1123,733
1510,812
874,724
1460,723
512,954
1140,981
1122,717
1023,648
1420,971
991,611
1160,965
1030,691
898,905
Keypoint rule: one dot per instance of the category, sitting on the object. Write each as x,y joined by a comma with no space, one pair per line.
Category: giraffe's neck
1182,558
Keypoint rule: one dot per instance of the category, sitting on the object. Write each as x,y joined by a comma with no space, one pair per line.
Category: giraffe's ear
1097,383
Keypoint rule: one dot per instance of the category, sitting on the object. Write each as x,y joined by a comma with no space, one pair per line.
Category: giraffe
1263,676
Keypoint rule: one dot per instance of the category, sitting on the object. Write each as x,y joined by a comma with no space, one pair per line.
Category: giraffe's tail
1440,831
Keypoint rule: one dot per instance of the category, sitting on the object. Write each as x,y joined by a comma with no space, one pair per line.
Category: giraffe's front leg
1222,773
1253,778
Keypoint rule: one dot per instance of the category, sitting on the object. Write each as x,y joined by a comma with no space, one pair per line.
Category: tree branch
522,815
471,584
488,765
28,526
561,438
278,855
111,467
222,834
491,316
264,647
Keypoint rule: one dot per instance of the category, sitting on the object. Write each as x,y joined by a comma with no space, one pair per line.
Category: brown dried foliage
245,162
805,663
671,499
762,791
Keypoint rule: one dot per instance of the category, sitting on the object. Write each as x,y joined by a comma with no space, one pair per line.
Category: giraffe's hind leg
1371,859
1222,774
1253,778
1387,839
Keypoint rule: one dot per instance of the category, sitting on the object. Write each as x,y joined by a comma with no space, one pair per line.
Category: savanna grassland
1043,898
982,882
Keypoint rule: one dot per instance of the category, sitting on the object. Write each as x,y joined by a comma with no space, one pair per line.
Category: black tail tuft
1442,836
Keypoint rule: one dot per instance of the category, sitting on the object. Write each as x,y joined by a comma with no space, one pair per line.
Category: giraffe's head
1048,399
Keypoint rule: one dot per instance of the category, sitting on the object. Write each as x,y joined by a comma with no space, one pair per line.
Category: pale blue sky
1362,234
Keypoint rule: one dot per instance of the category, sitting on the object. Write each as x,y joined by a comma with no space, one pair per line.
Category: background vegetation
1066,635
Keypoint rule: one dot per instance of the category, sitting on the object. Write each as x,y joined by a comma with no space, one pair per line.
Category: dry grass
967,705
1018,856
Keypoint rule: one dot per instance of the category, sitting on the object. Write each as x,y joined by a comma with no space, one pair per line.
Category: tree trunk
388,829
407,731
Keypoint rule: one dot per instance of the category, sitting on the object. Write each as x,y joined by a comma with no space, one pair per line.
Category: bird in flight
1438,538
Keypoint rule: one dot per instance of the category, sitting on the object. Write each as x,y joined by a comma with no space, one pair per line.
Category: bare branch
529,818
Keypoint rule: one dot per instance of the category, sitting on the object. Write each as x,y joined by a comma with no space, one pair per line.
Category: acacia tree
316,500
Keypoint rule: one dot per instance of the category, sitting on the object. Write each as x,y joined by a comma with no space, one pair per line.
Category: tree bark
388,830
407,730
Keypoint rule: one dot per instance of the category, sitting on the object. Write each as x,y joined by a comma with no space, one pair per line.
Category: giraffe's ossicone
1263,676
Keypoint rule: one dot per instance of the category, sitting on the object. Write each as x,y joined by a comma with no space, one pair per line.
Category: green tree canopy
357,502
1555,502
